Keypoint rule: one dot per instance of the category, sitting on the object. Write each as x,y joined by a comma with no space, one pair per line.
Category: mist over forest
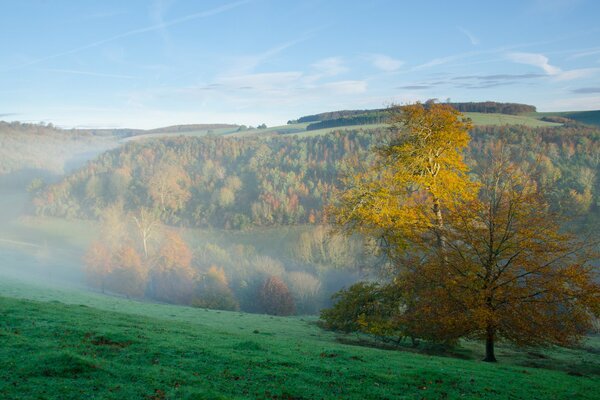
211,219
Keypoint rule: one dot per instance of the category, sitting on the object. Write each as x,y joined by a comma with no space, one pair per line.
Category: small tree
98,265
172,278
275,297
213,291
128,275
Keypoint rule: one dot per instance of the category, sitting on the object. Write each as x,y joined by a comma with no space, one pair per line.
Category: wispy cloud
440,61
472,38
415,87
586,90
385,63
262,82
576,74
87,73
346,87
586,53
328,67
541,61
151,28
247,63
536,60
497,77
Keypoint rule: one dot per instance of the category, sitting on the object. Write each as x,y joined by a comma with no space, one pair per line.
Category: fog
141,253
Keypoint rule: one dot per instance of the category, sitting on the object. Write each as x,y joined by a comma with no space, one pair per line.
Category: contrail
190,17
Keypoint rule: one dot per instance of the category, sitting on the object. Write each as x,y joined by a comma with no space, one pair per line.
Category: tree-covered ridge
212,181
237,182
488,107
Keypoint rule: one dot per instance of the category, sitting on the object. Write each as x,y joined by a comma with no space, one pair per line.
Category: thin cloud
536,60
576,74
246,64
330,66
385,63
158,26
499,77
88,73
415,87
346,87
585,53
472,38
586,90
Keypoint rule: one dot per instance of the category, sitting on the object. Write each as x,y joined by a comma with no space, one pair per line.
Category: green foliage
366,307
213,292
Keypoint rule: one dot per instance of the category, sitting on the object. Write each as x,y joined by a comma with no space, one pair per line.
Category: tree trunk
489,345
439,230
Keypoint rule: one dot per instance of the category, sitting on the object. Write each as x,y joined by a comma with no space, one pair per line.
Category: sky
146,64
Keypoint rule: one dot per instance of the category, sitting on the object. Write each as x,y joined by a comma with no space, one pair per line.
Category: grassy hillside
585,117
68,344
481,119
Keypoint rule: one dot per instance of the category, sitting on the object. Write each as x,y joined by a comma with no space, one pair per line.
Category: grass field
71,344
504,119
585,117
300,129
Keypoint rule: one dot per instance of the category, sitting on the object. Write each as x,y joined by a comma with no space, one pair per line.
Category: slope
69,344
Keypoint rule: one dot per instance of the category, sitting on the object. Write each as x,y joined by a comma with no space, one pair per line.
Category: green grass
71,344
504,119
201,132
585,117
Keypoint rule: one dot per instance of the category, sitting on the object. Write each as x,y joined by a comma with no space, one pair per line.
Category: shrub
366,307
275,297
213,291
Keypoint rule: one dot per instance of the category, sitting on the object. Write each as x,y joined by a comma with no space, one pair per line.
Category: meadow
69,343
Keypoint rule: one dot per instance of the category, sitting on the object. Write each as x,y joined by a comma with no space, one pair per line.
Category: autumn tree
484,259
128,275
172,278
511,273
213,291
414,176
275,297
98,265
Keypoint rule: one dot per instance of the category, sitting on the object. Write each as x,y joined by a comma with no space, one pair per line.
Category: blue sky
147,64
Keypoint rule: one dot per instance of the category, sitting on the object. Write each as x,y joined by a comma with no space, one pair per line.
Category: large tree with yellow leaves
415,175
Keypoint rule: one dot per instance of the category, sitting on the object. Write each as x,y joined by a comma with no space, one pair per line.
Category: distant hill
377,116
190,127
47,148
583,117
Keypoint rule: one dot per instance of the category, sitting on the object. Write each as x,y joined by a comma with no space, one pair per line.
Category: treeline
235,183
490,107
374,117
331,115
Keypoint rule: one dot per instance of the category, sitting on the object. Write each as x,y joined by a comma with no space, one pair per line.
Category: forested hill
491,107
378,116
233,183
